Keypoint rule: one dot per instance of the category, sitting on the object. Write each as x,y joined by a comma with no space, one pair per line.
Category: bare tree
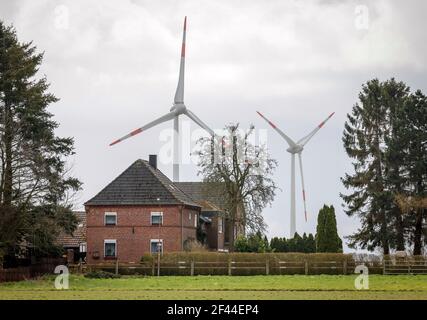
240,173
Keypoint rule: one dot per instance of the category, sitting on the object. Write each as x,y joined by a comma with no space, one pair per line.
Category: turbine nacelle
178,109
295,149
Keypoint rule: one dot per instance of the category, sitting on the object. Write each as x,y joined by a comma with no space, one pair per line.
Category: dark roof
78,236
207,195
141,184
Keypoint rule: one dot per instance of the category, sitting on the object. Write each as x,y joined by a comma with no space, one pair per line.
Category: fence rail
405,267
230,267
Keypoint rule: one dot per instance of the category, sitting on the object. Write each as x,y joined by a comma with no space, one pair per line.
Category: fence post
152,267
267,267
306,267
117,266
344,267
192,268
229,267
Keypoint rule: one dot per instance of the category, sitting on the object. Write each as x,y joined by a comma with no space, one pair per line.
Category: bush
253,243
192,245
101,275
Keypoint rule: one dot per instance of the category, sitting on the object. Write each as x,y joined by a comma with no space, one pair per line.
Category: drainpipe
182,229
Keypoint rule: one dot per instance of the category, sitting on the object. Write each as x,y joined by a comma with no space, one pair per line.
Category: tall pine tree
34,184
386,137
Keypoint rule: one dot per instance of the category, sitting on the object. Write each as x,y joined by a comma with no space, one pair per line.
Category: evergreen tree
365,135
34,184
327,239
413,150
311,244
385,135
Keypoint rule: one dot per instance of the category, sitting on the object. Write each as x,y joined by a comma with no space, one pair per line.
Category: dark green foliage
253,243
34,181
385,135
101,275
304,244
327,239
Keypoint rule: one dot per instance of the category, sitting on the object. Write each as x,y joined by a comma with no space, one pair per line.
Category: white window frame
220,225
83,247
195,220
156,213
189,216
109,241
156,240
110,214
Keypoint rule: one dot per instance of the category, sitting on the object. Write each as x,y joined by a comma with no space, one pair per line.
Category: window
110,218
189,216
195,220
82,247
156,218
220,224
110,248
156,245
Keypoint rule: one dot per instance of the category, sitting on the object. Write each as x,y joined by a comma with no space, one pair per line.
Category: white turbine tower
177,109
296,148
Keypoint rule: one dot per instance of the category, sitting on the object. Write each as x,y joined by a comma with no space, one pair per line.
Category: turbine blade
193,117
179,94
302,184
284,136
166,117
303,141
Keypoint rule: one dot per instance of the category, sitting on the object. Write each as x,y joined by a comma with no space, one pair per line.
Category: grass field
221,287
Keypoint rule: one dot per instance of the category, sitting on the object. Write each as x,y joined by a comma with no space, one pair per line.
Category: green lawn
221,287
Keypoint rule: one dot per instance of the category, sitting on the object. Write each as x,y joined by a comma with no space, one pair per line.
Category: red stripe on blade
134,132
183,50
114,142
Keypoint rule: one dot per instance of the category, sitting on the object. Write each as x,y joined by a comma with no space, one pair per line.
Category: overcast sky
114,64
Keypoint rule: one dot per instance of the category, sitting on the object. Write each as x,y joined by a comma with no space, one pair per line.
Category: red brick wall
215,239
134,231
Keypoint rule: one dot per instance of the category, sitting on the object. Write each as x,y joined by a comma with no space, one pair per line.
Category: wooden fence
192,268
229,267
25,273
404,267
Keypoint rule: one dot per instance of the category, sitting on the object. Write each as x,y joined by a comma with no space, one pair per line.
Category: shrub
192,245
253,243
101,275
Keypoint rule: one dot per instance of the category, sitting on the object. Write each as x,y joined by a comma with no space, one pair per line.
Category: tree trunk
418,232
400,239
7,140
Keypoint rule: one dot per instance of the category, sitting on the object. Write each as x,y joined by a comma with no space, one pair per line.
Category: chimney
152,160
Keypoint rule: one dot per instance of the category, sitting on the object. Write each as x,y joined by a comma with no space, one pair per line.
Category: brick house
75,244
211,219
139,212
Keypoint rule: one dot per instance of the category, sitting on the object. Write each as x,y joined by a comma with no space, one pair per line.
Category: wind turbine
177,109
296,148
